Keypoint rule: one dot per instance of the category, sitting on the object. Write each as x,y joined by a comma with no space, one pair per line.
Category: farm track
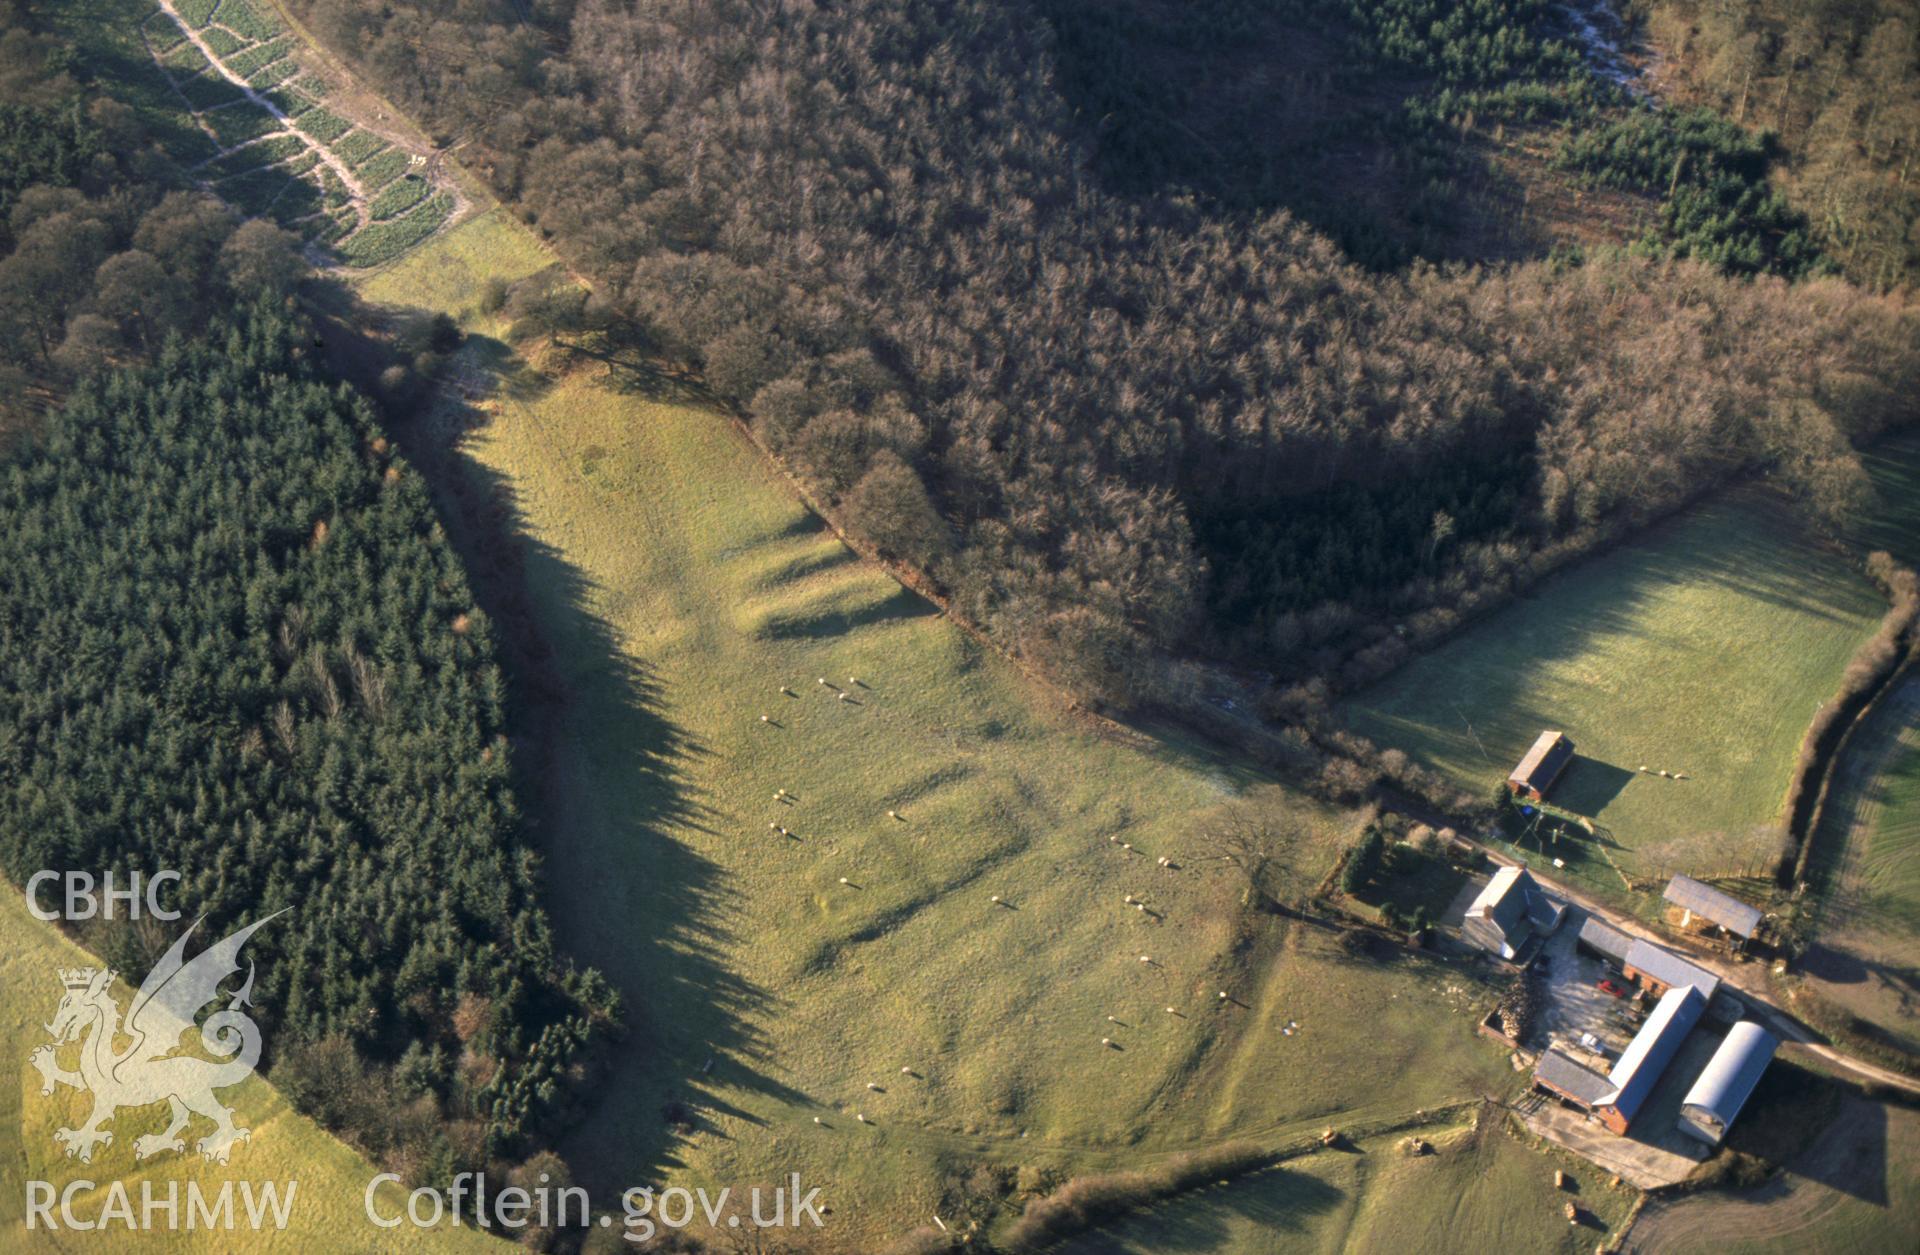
339,167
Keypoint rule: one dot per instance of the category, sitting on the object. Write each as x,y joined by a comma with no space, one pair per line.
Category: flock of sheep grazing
784,797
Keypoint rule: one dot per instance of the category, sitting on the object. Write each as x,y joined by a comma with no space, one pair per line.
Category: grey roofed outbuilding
1709,1108
1597,934
1575,1080
1639,1067
1709,903
1670,969
1543,762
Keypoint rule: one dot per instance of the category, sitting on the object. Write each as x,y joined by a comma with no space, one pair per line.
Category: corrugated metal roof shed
1563,1075
1723,1088
1652,1049
1543,761
1704,900
1605,938
1669,968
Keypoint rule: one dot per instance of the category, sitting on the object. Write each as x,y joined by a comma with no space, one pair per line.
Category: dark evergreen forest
236,643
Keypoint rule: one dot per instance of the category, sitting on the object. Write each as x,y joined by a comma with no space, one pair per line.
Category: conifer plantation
237,644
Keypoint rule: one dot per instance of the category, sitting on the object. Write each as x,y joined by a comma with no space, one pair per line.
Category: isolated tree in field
1260,837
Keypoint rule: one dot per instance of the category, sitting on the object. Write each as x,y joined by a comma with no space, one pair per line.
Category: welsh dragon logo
148,1070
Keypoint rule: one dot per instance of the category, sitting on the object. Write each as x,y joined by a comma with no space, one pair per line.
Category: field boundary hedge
1873,666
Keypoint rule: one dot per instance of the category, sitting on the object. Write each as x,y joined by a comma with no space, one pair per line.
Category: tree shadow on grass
1589,785
1476,702
605,773
1277,1201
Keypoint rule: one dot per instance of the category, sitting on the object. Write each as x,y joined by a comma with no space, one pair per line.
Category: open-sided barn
1703,902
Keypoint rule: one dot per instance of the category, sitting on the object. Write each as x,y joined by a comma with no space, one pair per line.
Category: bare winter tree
1260,836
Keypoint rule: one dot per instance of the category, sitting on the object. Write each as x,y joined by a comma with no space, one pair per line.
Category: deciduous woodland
1838,82
1114,416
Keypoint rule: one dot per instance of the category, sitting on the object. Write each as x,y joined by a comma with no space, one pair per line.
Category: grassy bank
782,982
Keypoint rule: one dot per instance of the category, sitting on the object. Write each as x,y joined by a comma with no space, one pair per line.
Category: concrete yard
1654,1152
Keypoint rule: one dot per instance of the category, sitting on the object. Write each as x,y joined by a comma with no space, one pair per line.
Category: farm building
1551,753
1567,1078
1648,1054
1704,905
1509,910
1659,971
1709,1108
1603,940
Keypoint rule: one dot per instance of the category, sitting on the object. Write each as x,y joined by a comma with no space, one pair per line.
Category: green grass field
1702,648
679,585
327,1211
1850,1186
1867,850
1479,1190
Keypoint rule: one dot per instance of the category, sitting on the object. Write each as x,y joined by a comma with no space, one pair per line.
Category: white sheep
1223,993
818,1120
996,897
1146,958
906,1071
860,1116
1106,1041
823,681
1131,899
893,814
845,881
1113,1019
1171,1011
845,698
773,827
872,1086
765,719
